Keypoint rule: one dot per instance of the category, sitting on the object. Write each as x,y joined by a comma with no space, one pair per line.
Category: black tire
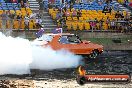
81,80
94,54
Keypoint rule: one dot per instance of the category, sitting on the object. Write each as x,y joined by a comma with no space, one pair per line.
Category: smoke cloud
18,56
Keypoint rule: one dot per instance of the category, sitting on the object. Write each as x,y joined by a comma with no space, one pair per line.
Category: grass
107,40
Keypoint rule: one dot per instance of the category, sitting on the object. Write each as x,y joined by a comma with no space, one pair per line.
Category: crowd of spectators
8,18
121,22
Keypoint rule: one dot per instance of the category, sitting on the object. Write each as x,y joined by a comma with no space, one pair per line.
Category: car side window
64,40
72,39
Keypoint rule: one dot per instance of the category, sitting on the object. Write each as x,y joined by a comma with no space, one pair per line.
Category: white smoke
15,55
18,56
47,59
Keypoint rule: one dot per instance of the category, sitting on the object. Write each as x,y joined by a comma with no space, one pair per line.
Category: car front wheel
94,54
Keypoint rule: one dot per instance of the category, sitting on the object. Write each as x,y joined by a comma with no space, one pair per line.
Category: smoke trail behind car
18,56
48,59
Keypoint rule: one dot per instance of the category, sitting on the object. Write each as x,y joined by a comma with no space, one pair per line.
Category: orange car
72,43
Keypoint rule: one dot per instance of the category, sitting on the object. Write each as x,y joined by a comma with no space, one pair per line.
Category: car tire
94,54
81,80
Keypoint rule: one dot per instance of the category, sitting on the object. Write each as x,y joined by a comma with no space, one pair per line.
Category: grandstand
88,16
16,9
93,12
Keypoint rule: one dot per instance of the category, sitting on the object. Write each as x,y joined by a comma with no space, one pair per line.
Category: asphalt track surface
109,62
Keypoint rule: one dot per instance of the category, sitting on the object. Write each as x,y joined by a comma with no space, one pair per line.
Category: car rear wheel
94,54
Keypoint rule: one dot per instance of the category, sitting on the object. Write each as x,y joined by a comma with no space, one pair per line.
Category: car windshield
69,39
46,38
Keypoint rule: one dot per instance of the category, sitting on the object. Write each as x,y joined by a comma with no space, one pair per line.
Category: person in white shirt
27,22
38,22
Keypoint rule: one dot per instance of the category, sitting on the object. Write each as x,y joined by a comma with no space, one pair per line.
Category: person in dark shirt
117,15
19,18
79,14
105,10
110,9
22,4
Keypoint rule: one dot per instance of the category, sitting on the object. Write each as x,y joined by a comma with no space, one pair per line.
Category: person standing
22,4
112,24
19,18
27,4
79,14
11,19
108,22
38,22
74,13
27,22
4,20
101,24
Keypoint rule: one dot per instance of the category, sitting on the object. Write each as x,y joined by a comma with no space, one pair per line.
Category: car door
72,43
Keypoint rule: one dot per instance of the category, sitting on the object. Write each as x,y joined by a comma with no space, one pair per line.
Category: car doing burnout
70,42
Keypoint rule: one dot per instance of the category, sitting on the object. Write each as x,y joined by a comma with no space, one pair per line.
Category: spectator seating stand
89,12
16,8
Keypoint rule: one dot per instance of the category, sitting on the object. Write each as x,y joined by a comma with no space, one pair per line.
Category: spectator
58,16
108,22
67,14
38,22
121,14
49,5
22,4
4,19
110,9
62,21
93,25
65,7
74,13
96,23
11,17
71,6
26,22
27,4
79,14
101,24
19,18
112,24
105,10
117,15
127,22
117,24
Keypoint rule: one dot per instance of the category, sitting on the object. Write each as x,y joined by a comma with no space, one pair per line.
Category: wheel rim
94,54
81,81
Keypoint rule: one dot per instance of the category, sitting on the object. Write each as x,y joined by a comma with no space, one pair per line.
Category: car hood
90,44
